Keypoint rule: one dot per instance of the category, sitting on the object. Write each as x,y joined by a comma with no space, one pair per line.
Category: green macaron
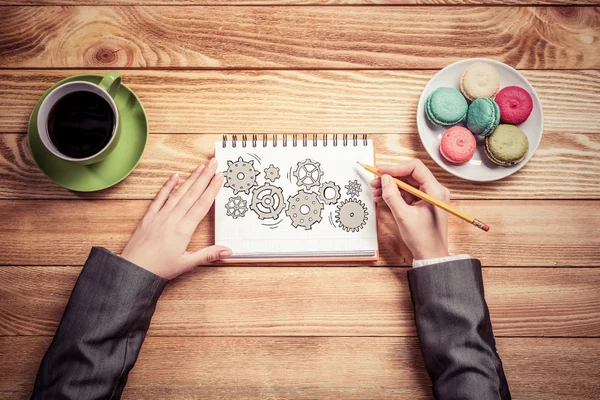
483,116
507,145
446,107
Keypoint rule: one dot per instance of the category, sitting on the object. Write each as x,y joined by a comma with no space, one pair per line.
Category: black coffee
80,124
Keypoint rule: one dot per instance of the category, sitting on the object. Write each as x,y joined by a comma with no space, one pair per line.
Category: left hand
159,244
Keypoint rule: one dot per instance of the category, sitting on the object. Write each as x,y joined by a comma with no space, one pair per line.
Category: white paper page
251,237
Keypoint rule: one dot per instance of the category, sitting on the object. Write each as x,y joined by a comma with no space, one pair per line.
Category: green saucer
113,169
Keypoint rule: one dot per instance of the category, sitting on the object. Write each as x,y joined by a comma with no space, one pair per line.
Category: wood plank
345,301
523,233
564,167
297,37
259,102
308,368
293,2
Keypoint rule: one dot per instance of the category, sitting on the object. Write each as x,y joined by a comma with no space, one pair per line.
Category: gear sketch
236,207
267,201
353,188
240,175
324,191
304,209
271,173
351,215
308,173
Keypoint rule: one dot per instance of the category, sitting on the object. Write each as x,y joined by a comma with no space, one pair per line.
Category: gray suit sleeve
455,331
101,332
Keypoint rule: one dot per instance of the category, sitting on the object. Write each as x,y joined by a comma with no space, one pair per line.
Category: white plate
479,168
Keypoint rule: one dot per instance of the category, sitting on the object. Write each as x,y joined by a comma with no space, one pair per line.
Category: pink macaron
458,145
515,105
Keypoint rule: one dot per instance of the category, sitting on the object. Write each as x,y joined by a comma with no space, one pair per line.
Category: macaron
507,146
458,145
515,104
446,107
479,80
483,116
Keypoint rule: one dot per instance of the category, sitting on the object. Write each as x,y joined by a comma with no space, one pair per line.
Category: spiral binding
304,140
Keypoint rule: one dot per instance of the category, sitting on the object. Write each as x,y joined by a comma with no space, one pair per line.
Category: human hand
159,244
423,227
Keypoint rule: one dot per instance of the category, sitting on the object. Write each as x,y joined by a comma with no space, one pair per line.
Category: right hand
423,227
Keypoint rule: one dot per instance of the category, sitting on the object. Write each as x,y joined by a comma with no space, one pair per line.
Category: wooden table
204,68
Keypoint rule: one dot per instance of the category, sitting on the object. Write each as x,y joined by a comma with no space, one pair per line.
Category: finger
182,190
413,168
207,255
410,180
162,195
375,183
197,189
391,195
203,204
408,198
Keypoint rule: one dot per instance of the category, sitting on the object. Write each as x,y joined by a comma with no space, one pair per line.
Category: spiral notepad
296,197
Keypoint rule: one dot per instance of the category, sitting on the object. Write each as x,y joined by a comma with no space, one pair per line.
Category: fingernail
199,168
212,163
174,176
225,254
386,180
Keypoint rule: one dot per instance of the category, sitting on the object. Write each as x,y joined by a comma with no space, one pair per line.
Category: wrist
426,254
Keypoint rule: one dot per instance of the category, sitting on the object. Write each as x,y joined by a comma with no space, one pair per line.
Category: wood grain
523,233
564,166
295,2
321,367
345,301
259,102
203,69
297,37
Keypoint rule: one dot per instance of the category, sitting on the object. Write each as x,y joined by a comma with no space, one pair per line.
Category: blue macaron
446,107
483,116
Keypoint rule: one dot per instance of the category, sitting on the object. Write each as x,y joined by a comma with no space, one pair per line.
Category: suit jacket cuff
452,282
113,274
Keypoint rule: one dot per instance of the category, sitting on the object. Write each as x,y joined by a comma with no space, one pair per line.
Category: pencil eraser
486,227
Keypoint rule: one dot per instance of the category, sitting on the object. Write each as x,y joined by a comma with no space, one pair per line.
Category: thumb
208,255
391,195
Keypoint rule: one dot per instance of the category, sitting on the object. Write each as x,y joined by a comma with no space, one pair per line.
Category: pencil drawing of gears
353,188
240,176
267,201
304,209
351,215
329,193
271,173
308,173
236,207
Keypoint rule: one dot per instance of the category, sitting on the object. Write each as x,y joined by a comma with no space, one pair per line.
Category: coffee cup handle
110,83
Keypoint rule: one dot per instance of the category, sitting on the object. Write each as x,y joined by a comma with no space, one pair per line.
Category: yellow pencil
422,195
